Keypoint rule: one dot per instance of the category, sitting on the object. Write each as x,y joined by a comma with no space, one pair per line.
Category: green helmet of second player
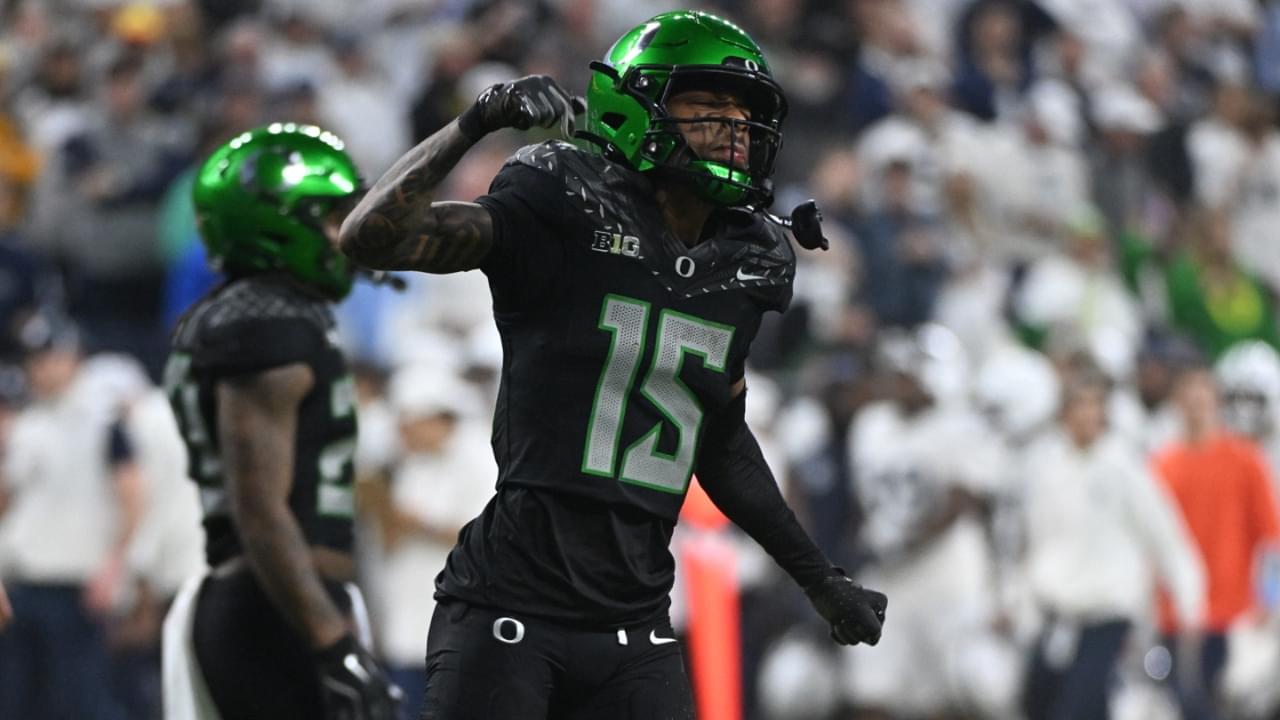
262,199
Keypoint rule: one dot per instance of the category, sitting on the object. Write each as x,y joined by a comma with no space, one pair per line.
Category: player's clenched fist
533,100
856,613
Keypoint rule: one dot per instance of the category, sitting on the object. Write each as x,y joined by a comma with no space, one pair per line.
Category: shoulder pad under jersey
254,323
595,186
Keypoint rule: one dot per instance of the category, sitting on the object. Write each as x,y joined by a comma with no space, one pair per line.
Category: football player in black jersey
629,276
266,406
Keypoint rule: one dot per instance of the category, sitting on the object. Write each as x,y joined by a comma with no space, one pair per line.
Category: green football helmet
261,200
627,118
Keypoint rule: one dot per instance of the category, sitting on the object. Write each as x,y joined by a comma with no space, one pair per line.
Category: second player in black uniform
266,406
628,284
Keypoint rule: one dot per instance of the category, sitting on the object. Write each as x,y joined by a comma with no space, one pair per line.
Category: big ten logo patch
615,243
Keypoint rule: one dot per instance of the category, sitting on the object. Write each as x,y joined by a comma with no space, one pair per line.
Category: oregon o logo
751,65
684,266
501,633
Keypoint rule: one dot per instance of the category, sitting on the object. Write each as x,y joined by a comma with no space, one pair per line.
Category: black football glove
533,100
856,614
353,686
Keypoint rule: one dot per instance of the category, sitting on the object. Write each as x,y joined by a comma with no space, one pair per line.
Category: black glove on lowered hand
856,614
533,100
353,686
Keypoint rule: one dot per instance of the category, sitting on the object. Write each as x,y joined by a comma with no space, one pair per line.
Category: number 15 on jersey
628,323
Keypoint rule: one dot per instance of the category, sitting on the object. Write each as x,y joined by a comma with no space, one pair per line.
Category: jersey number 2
678,334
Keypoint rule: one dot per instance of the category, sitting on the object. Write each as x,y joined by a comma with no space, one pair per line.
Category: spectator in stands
1249,378
75,500
1182,41
1218,147
361,105
1161,358
1099,531
901,248
19,161
940,142
168,546
1211,297
441,96
102,222
433,493
1080,291
814,436
1038,176
19,276
240,48
825,281
1122,187
1199,286
889,48
922,479
295,55
1096,40
188,82
994,58
1223,487
54,107
1255,203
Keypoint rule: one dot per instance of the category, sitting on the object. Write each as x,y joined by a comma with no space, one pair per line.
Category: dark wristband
471,123
817,579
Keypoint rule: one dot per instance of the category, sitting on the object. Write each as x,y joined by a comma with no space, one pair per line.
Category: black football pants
485,664
255,665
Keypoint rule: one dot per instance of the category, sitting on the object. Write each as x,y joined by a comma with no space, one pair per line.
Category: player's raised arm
399,226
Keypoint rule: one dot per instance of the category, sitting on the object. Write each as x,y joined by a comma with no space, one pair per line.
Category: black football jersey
618,342
251,325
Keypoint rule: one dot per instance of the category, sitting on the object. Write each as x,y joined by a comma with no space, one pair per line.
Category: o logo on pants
501,633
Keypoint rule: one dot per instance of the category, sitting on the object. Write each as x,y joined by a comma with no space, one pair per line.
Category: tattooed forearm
439,237
397,226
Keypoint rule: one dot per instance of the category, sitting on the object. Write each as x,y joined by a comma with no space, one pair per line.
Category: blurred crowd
1031,392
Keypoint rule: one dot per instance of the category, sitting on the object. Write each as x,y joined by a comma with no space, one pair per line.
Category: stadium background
1091,186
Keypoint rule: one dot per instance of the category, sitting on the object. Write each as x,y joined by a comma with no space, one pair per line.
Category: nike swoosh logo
748,276
655,640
